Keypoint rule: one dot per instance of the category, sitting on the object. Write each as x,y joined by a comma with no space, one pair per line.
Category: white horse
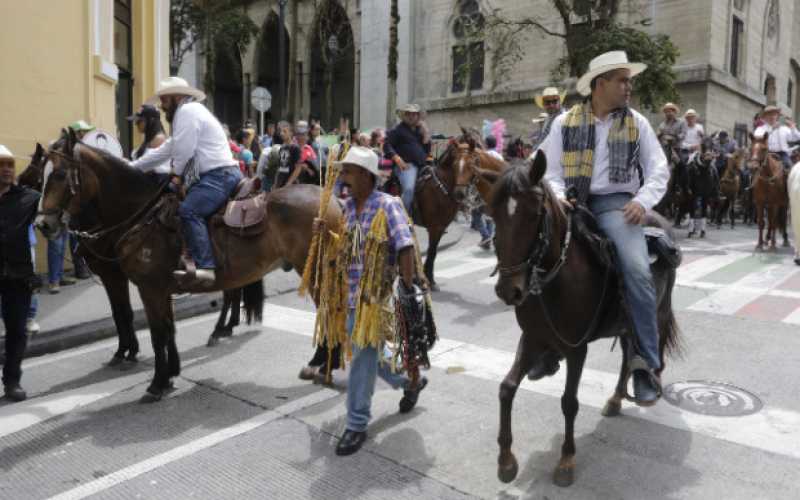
794,204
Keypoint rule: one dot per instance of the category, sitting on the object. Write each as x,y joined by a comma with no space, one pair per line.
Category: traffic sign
261,99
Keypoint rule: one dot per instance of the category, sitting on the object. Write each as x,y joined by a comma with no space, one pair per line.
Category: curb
71,336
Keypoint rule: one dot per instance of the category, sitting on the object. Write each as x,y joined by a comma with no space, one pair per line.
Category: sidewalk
81,314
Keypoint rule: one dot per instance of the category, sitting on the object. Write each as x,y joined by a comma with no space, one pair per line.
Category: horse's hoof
115,361
564,475
507,473
212,341
612,409
797,261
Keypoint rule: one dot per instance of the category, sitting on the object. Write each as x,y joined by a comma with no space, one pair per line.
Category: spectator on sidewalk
480,222
245,156
56,252
18,207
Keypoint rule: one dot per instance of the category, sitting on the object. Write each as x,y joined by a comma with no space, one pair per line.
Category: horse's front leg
760,221
613,406
434,236
507,466
772,225
564,475
158,309
115,284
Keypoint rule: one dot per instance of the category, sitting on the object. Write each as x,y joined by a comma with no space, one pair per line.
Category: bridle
73,176
539,277
761,163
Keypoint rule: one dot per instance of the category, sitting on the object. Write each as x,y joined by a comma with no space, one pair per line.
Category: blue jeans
203,200
634,265
481,223
55,256
361,383
408,180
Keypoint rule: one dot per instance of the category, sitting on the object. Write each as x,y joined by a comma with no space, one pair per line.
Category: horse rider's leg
564,474
613,406
640,294
203,200
408,179
434,236
116,286
507,466
158,308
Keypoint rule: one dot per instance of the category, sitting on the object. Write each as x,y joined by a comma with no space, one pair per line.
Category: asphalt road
242,425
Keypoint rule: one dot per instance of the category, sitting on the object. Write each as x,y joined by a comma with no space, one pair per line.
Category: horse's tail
671,343
253,298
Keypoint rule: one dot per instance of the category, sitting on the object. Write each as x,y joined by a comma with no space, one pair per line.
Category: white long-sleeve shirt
693,136
160,168
651,158
197,134
779,137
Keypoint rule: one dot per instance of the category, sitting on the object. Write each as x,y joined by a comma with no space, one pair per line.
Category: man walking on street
408,144
366,209
202,161
18,207
780,135
607,156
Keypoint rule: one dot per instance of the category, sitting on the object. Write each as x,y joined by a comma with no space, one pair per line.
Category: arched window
468,47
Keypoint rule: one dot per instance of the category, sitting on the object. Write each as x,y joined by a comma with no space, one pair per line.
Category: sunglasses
549,102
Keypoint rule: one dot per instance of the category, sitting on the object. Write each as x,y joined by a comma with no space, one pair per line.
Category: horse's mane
134,178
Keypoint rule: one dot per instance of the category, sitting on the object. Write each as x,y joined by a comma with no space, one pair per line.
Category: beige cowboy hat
409,108
690,112
549,92
5,153
771,109
361,157
672,106
616,59
175,85
541,118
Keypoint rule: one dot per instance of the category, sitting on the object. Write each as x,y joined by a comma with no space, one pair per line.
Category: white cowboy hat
670,105
549,92
5,153
616,59
771,109
175,85
361,157
690,112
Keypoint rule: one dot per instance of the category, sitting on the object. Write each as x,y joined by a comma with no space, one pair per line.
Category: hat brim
584,84
198,94
540,99
401,112
341,164
672,107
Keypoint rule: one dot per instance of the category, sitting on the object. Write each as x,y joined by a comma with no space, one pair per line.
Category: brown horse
729,186
769,192
88,182
578,301
475,167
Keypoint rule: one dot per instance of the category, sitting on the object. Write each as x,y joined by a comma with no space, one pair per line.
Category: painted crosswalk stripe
730,299
695,270
106,482
773,429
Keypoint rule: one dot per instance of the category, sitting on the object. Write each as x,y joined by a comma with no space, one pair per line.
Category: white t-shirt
694,136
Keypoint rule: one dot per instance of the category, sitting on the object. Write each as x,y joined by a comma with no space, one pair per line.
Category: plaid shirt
399,233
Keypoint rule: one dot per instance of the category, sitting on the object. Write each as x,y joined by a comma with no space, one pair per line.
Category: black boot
15,393
350,442
410,397
545,365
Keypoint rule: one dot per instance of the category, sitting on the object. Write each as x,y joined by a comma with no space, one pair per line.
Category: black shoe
691,234
350,442
546,365
410,397
83,274
645,390
15,393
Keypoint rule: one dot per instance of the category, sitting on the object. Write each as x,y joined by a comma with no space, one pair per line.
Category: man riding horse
201,161
779,136
604,155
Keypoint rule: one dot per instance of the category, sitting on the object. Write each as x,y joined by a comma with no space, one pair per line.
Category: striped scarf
578,142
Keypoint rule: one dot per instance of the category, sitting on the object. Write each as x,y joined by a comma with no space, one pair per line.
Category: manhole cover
712,398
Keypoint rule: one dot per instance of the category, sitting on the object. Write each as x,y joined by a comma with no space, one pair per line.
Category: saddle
246,209
660,245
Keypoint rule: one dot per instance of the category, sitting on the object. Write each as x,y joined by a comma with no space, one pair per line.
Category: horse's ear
538,167
39,151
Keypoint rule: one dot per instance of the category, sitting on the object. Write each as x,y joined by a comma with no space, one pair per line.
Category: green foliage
653,87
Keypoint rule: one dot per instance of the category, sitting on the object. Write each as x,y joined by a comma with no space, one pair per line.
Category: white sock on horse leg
703,224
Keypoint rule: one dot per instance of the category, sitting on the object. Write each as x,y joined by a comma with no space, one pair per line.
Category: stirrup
637,363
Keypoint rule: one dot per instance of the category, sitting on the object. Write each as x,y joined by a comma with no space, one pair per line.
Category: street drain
717,399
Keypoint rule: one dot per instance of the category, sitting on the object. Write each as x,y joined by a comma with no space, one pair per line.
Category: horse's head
759,159
522,207
33,173
65,185
707,151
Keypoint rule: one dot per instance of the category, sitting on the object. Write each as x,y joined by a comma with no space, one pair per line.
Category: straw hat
176,86
5,153
672,106
770,109
616,59
690,112
549,92
361,157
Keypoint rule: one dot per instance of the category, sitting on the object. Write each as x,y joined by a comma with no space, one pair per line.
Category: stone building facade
736,56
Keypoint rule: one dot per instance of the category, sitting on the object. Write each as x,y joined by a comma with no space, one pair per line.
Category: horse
677,202
578,301
703,184
116,287
729,186
89,182
769,191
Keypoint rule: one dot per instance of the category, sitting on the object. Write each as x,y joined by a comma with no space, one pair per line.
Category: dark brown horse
579,300
769,192
729,187
88,182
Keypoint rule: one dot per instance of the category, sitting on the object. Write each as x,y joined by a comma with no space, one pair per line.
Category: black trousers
15,296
